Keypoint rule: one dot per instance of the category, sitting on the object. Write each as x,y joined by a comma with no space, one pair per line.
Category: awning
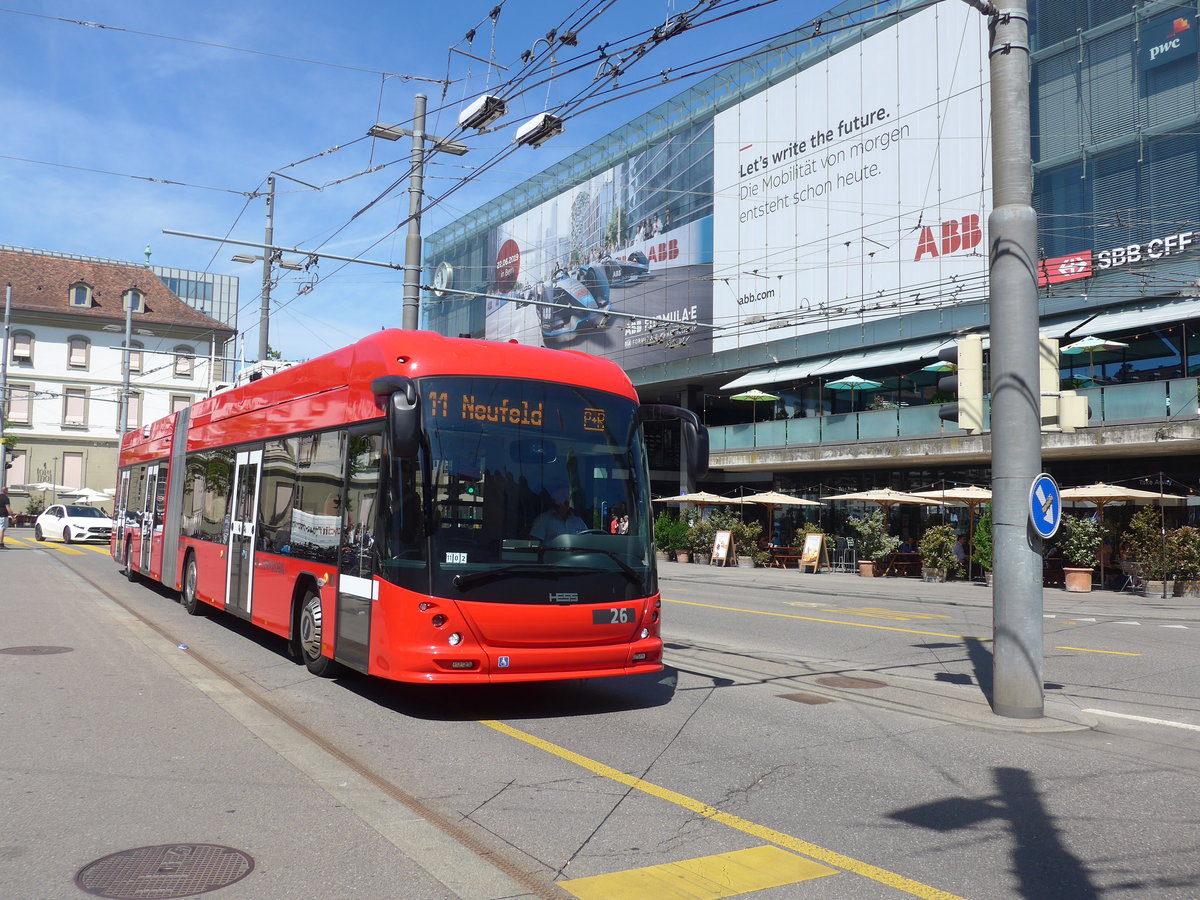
834,365
1105,323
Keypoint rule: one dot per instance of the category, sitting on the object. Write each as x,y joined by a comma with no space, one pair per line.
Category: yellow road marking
1109,652
706,878
759,612
761,832
878,612
48,545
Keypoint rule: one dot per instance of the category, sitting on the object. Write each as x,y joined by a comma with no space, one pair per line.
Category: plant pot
683,556
662,555
1187,588
1077,581
703,559
987,576
745,561
934,576
866,568
1157,588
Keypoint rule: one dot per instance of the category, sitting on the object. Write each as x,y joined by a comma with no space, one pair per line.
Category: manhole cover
168,870
847,681
35,651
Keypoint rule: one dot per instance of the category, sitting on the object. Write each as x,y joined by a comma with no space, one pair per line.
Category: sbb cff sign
949,237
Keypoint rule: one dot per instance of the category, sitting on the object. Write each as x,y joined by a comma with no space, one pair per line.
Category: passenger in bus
559,519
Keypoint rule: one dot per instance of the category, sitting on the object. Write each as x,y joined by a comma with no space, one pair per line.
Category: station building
815,217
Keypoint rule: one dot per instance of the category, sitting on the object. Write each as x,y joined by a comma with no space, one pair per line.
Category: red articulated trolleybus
420,508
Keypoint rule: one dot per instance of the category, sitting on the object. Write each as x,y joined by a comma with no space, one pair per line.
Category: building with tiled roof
65,365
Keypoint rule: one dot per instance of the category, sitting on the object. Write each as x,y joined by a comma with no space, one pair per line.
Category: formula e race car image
623,272
582,299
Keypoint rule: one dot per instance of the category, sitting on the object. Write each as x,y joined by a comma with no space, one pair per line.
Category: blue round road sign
1045,506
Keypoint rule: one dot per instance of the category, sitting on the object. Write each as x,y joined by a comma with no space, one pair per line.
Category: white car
69,523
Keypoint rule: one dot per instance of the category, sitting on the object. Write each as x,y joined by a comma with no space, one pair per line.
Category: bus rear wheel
310,635
191,603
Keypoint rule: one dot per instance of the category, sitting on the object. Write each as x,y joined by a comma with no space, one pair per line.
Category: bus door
120,515
242,526
357,588
149,519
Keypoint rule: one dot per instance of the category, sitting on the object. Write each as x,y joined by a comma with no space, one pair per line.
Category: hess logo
508,266
949,237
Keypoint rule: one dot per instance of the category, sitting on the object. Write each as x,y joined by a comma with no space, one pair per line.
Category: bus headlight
645,633
455,639
438,621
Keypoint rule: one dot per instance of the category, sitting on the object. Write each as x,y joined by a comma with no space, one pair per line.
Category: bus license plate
622,615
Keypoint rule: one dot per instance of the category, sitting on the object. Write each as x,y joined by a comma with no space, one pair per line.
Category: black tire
191,603
309,636
130,575
37,533
67,534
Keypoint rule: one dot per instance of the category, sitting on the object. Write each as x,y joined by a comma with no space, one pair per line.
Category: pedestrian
5,512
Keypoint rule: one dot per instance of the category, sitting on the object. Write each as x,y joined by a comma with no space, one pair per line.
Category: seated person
908,546
558,519
960,551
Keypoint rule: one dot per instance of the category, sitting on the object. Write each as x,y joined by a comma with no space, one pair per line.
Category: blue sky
155,122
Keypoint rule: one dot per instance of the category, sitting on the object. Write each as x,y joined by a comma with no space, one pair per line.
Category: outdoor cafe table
786,557
907,564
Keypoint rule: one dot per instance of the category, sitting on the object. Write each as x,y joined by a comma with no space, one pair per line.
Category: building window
72,470
81,295
22,348
134,301
180,402
16,474
78,351
20,405
133,411
75,406
184,359
135,357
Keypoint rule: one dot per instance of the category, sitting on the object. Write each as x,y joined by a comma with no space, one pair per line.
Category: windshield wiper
522,570
627,570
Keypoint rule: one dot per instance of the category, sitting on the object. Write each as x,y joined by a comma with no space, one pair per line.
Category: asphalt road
813,737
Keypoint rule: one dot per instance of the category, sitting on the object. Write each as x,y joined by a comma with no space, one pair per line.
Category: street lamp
416,179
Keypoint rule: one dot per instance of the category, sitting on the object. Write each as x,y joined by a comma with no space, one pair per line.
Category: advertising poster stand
814,554
723,551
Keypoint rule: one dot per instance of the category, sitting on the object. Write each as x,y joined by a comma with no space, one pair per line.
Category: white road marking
1146,719
1127,623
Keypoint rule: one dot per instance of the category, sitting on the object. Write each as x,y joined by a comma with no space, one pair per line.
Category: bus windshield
535,492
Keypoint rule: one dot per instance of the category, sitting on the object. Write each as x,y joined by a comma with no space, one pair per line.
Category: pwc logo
508,266
949,237
1167,39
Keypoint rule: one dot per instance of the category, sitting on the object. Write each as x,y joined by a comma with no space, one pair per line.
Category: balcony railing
1112,404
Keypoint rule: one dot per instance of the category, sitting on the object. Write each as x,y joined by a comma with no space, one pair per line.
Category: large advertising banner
564,269
857,189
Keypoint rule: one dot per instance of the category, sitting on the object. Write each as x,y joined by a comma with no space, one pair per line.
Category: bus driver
558,519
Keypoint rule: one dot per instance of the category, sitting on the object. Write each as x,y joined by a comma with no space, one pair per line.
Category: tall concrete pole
126,352
4,384
264,313
1016,392
411,318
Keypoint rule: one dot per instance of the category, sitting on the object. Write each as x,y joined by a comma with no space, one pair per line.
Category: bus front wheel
310,635
130,575
192,604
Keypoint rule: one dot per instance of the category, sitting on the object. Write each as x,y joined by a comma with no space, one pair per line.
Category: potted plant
1183,547
981,543
938,561
1079,547
874,543
1149,548
700,540
662,535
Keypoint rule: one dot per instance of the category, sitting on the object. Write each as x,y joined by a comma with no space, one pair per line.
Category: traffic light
966,383
1060,410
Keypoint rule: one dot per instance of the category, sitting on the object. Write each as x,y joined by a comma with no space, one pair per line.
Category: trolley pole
126,367
410,319
1016,392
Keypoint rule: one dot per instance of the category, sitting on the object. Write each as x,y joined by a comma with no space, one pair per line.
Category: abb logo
663,251
955,235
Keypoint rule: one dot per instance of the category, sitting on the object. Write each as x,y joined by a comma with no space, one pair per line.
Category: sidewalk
839,584
115,740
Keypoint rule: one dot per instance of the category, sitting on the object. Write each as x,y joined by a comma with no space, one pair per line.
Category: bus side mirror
695,435
397,396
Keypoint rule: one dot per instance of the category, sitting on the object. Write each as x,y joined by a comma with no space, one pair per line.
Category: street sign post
1045,506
